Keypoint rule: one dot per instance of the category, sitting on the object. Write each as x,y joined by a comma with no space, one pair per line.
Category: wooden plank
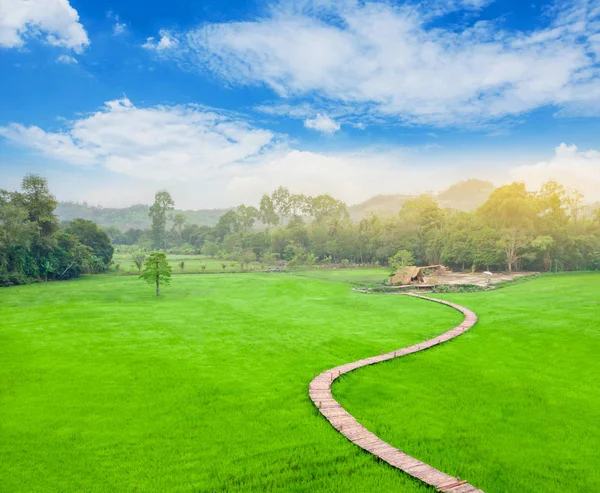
347,425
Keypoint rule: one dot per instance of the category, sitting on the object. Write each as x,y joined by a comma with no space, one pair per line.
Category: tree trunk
157,288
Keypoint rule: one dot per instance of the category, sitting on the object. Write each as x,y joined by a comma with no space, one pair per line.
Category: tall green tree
401,259
91,235
513,211
179,221
158,213
40,203
268,215
157,270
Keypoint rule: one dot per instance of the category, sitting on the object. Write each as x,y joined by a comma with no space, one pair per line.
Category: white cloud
166,42
162,142
53,20
322,123
122,153
119,27
67,59
377,60
208,158
569,166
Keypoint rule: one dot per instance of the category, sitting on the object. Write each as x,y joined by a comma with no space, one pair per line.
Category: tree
420,219
139,258
91,235
576,204
132,236
210,248
246,257
311,259
513,211
325,208
179,221
246,217
267,211
515,243
402,259
158,213
157,270
543,244
281,198
40,203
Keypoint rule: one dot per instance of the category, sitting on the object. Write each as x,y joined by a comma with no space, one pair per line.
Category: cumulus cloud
166,42
322,123
212,158
569,166
162,142
55,21
209,158
380,60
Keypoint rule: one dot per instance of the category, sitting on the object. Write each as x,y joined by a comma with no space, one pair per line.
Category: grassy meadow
104,387
192,264
513,404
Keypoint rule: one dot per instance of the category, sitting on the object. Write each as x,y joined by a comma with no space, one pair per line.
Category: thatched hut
415,275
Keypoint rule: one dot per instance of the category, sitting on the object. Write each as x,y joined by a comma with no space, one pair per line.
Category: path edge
320,393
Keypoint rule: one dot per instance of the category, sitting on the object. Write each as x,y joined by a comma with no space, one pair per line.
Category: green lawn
103,387
513,405
192,264
357,276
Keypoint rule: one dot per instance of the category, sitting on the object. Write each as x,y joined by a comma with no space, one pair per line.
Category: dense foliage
466,195
34,247
551,229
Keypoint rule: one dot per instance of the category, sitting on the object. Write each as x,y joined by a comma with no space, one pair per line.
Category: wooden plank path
344,422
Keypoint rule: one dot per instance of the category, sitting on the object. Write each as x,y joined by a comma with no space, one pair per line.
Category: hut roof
407,274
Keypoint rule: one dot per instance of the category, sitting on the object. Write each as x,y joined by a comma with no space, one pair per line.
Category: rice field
104,387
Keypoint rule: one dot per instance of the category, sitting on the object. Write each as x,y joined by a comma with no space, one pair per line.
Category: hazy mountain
382,205
464,195
135,216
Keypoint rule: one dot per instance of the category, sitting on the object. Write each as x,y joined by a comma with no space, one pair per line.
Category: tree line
34,246
551,229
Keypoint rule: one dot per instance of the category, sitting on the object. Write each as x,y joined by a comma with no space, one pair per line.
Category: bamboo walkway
344,422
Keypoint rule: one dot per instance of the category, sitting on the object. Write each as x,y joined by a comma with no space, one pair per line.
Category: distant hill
135,216
382,205
464,195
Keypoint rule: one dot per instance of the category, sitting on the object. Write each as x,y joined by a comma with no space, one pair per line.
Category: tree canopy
32,246
157,270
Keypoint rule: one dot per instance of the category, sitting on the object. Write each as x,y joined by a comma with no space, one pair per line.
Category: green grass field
362,276
192,264
104,387
513,404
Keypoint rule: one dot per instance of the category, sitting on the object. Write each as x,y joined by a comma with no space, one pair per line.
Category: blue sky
220,102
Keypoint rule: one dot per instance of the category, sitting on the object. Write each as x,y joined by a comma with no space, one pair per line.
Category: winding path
346,424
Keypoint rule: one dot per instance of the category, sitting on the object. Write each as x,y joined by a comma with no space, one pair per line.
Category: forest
552,229
34,246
